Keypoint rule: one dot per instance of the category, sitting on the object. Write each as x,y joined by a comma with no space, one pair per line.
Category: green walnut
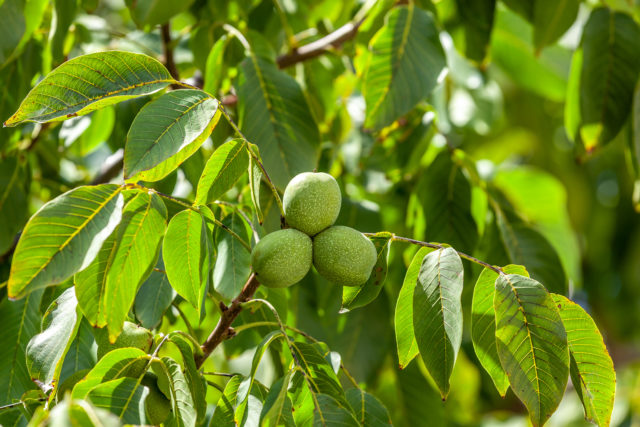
344,256
132,335
282,258
156,406
312,202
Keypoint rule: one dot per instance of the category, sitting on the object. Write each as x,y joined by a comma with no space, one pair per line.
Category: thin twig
220,374
13,405
192,332
167,48
223,328
438,246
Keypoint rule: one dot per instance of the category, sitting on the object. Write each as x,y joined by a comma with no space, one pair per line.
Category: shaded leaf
532,344
155,12
81,354
64,237
445,195
437,314
186,255
359,296
166,132
483,324
274,114
404,64
330,412
232,266
123,397
222,170
405,337
46,351
154,297
173,382
277,409
477,19
255,177
21,322
551,19
610,67
223,415
89,82
14,204
369,411
192,376
591,366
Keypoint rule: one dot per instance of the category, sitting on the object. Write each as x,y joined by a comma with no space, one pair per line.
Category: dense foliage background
508,129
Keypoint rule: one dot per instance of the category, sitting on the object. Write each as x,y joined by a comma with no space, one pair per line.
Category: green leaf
572,103
12,24
359,296
64,12
477,19
46,351
526,246
223,415
99,130
192,376
186,254
437,314
405,337
166,132
404,63
64,237
81,354
247,383
144,220
551,19
118,363
512,50
483,324
275,115
222,170
232,266
14,203
277,409
155,12
445,195
154,297
319,373
591,366
368,410
88,82
77,413
214,72
255,177
123,397
21,322
610,67
184,411
532,344
330,412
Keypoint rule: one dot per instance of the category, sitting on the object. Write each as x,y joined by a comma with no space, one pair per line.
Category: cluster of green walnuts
340,254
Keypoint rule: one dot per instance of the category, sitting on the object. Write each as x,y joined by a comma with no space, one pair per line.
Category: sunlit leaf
191,374
231,269
531,343
404,65
274,114
173,382
46,351
437,314
64,237
89,82
591,366
483,324
359,296
405,337
123,397
222,170
223,415
139,234
166,132
277,409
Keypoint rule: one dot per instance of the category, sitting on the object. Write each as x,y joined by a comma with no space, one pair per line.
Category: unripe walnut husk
312,202
344,256
132,335
157,406
282,258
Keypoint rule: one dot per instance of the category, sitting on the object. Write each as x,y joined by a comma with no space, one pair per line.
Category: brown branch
320,46
169,62
223,329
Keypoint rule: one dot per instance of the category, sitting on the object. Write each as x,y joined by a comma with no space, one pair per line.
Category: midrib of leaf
556,16
533,349
396,64
444,321
77,230
103,280
133,392
168,128
224,168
